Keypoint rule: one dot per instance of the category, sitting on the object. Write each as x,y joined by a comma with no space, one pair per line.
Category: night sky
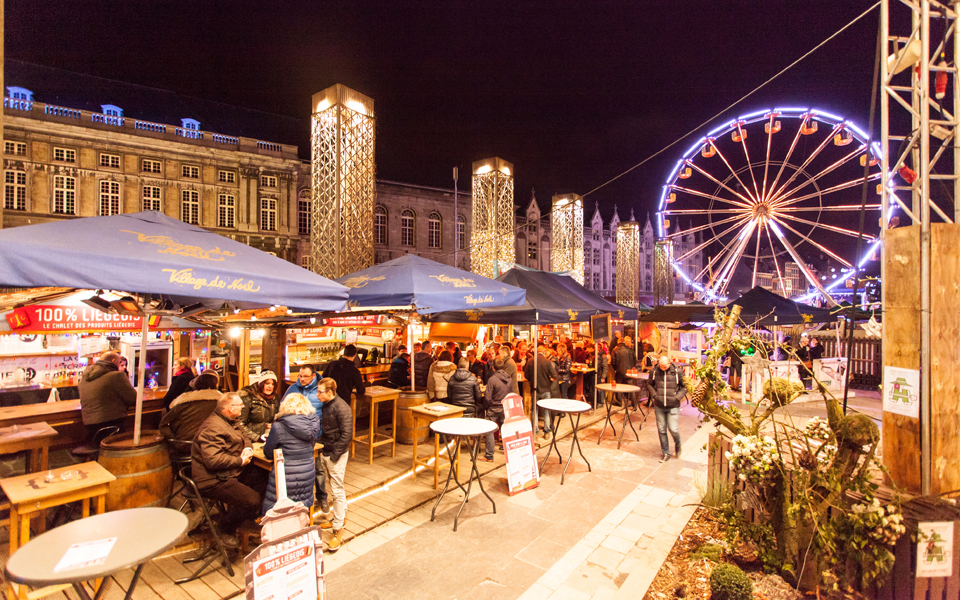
573,93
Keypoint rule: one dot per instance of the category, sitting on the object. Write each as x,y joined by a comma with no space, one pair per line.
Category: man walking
667,389
335,437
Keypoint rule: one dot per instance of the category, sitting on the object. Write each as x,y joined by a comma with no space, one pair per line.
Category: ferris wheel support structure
919,130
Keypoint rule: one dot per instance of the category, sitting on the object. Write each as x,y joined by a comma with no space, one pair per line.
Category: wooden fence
901,583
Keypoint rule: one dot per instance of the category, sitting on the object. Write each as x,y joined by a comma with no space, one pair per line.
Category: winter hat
265,375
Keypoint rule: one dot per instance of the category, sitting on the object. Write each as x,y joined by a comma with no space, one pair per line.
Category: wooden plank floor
376,494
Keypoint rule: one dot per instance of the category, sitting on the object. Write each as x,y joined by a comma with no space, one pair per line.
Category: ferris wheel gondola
769,188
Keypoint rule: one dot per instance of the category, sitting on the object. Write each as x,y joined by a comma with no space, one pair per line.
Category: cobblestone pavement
603,534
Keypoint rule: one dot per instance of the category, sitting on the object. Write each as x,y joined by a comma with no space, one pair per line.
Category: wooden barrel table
405,431
143,471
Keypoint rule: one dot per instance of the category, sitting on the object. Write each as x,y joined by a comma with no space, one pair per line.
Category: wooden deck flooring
376,493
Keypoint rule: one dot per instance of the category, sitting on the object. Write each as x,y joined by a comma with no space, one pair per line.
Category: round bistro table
473,429
569,408
141,534
623,388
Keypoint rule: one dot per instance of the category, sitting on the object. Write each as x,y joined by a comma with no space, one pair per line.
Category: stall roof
551,298
151,253
678,313
427,286
763,307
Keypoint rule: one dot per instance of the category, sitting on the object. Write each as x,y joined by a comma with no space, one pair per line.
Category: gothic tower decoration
566,223
492,243
628,263
344,182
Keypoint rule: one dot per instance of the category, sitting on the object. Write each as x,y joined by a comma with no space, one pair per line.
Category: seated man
189,411
222,468
105,394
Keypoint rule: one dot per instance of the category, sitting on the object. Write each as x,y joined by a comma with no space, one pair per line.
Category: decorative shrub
728,582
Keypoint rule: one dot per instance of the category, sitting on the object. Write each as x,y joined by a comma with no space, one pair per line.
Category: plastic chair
90,451
217,548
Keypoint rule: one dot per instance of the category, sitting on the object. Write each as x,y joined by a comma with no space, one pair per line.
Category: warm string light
492,240
628,264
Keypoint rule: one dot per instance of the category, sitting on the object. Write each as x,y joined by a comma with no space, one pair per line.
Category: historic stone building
80,146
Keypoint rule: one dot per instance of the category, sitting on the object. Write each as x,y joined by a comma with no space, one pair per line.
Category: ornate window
268,181
596,280
596,256
64,195
64,155
151,198
304,207
408,226
111,161
15,148
15,190
226,176
109,198
268,214
305,262
380,224
190,172
151,166
532,249
226,211
434,230
190,207
461,233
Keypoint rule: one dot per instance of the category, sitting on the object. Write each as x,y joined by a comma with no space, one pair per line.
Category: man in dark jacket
399,375
667,390
623,361
222,469
463,389
475,366
422,360
498,387
188,413
337,432
547,384
105,394
510,366
345,372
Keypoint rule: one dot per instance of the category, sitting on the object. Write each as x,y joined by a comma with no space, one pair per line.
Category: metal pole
923,89
456,222
141,375
533,388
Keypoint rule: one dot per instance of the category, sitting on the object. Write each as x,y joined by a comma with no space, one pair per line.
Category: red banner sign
359,321
41,318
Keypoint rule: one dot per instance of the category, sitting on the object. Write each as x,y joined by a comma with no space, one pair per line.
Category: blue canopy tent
551,298
760,307
151,253
427,287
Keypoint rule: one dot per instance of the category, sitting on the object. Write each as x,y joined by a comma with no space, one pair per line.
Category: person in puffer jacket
439,374
498,387
295,432
667,390
463,389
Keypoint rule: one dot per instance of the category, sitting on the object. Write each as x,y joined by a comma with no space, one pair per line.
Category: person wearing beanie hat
260,403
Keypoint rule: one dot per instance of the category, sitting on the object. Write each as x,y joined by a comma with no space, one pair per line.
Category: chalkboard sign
600,327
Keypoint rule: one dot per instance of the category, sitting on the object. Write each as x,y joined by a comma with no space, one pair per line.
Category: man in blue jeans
667,390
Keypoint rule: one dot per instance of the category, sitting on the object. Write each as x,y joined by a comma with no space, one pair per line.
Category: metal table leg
552,447
608,403
451,456
474,470
575,441
626,422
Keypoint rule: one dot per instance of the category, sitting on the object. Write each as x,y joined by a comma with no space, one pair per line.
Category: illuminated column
566,225
628,264
344,182
662,272
492,239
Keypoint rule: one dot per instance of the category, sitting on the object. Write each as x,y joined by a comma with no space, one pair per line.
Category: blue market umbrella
151,253
428,286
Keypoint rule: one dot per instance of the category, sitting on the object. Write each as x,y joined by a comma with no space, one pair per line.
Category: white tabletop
563,405
141,534
625,388
644,376
463,426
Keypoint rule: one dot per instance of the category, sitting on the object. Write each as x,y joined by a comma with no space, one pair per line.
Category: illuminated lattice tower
492,240
662,272
566,226
628,264
344,182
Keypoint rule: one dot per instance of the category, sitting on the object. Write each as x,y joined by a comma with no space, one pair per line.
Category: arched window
304,209
596,256
380,224
434,225
461,233
408,225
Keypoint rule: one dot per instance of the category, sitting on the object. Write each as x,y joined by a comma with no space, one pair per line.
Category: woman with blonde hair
180,382
295,432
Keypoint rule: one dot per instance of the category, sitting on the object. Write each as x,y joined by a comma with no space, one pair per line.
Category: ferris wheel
767,189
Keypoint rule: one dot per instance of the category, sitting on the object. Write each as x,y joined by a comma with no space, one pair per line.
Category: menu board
600,326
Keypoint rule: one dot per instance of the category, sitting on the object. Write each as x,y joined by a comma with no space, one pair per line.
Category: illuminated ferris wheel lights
759,113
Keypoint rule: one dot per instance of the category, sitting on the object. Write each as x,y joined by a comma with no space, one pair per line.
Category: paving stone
604,528
588,578
614,542
594,537
606,558
335,560
658,497
536,592
393,529
542,553
568,593
641,523
362,544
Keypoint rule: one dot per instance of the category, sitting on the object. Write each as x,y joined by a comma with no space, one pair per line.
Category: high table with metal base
642,379
138,535
622,388
463,427
570,408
